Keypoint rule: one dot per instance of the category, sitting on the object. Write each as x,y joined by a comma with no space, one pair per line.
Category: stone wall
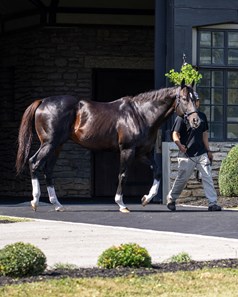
193,189
42,62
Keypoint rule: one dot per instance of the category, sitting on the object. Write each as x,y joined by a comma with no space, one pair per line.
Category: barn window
218,62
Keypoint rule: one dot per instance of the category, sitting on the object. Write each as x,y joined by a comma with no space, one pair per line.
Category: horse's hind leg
37,162
125,160
36,192
48,170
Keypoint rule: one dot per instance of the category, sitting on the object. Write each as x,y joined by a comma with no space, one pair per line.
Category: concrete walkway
81,243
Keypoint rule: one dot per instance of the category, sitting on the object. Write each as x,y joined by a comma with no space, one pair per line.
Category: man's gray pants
186,167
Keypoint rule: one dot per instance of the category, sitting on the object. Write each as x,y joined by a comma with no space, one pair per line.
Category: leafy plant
21,259
228,174
187,72
66,266
181,258
125,255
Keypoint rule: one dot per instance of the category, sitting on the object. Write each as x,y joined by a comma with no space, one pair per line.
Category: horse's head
186,104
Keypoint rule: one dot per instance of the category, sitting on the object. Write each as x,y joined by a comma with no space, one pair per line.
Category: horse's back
64,102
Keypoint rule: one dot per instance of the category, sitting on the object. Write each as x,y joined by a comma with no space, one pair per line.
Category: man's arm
206,144
176,139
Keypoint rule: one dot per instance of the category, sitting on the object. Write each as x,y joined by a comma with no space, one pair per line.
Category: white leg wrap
35,191
53,198
119,201
153,190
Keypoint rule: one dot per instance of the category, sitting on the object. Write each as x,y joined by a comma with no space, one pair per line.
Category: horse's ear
193,83
183,83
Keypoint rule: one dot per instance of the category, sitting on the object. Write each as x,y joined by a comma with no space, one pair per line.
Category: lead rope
186,145
196,170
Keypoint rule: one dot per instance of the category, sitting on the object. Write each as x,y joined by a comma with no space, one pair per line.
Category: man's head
197,102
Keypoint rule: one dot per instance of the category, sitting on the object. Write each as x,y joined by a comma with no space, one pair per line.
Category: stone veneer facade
42,62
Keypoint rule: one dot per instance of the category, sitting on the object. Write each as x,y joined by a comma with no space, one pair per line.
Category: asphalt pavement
83,231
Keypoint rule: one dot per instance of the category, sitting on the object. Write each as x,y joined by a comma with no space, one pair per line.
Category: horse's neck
162,107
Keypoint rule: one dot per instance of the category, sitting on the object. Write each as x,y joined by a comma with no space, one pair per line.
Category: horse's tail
25,136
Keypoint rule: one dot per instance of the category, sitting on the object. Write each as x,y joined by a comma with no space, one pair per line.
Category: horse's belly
94,142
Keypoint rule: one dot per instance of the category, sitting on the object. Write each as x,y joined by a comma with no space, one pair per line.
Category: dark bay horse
128,125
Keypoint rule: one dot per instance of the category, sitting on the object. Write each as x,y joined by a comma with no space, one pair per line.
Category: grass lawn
204,283
7,219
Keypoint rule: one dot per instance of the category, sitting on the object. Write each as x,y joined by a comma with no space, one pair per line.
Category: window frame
225,68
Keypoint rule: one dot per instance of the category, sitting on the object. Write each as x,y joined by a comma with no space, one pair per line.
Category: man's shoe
214,207
171,204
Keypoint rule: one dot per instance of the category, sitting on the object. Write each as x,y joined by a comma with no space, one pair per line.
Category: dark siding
184,15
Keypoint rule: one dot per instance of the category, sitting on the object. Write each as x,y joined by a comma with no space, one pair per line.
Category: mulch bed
99,272
224,202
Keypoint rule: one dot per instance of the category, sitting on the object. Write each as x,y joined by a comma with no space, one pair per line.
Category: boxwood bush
228,174
182,257
21,259
125,255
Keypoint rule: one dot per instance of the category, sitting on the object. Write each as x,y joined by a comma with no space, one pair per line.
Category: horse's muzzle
195,121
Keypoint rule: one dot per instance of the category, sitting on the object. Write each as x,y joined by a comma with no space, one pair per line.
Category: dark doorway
111,84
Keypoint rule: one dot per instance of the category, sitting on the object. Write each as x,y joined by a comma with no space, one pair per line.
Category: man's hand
182,148
210,156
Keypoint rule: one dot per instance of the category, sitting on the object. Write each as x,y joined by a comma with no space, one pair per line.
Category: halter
186,114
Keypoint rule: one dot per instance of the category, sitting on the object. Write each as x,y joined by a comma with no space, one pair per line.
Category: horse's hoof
59,208
33,205
124,210
144,202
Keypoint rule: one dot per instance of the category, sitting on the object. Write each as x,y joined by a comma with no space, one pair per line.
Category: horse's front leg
156,183
126,157
152,193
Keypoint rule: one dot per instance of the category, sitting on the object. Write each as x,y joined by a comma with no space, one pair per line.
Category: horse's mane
154,95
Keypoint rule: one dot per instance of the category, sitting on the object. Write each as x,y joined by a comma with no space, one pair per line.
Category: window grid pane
232,112
233,39
218,56
218,39
233,56
205,39
232,131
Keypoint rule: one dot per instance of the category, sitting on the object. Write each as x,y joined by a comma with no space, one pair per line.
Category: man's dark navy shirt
192,138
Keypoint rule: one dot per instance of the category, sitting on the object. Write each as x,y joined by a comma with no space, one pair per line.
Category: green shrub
228,174
180,258
125,255
65,266
21,259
